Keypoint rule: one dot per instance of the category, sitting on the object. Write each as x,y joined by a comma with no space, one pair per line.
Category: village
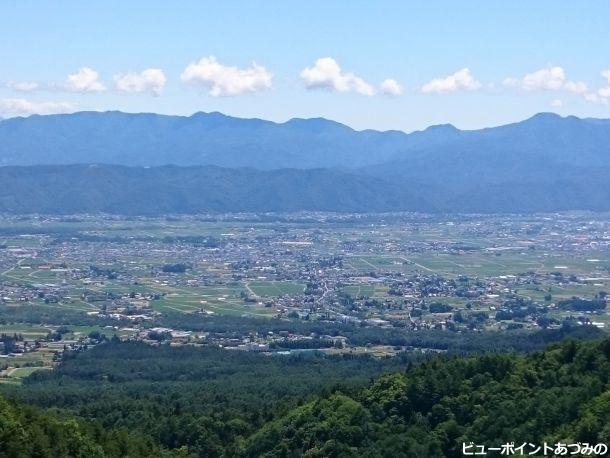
121,277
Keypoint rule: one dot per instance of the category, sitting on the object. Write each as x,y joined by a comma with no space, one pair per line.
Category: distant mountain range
201,139
215,139
220,163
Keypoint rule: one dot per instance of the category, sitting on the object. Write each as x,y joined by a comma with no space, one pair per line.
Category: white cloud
577,87
391,87
23,86
326,73
223,80
23,107
462,80
548,79
150,80
556,103
85,80
593,98
604,92
552,79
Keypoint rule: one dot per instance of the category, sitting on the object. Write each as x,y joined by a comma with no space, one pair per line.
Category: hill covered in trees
27,432
208,402
171,189
559,395
478,187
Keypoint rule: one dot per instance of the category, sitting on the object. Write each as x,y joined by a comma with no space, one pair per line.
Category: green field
275,288
482,263
222,300
22,372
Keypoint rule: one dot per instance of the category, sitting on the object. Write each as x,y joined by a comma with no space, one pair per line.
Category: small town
405,273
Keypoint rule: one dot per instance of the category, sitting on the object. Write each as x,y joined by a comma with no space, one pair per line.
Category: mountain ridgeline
202,139
149,164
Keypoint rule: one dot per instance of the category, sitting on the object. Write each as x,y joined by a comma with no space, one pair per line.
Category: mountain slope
566,140
430,410
201,139
27,431
215,139
172,189
546,163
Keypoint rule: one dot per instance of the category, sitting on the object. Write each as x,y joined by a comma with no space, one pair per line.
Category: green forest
133,399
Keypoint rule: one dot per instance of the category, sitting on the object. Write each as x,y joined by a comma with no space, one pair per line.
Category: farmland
68,281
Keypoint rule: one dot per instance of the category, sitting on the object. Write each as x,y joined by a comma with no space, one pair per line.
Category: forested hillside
561,394
207,402
165,190
30,432
478,185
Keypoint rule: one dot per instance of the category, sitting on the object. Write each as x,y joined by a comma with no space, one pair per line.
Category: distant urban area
289,283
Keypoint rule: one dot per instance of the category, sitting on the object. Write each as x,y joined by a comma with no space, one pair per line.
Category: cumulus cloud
549,79
577,87
23,86
150,80
326,73
603,94
85,80
223,80
462,80
391,87
23,107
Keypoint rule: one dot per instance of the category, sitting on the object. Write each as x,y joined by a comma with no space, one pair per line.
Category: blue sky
469,63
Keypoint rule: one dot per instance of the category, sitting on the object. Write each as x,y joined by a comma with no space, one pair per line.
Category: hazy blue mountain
216,139
570,140
172,189
545,163
201,139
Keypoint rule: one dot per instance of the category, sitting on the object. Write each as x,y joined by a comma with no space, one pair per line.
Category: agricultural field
274,288
405,270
